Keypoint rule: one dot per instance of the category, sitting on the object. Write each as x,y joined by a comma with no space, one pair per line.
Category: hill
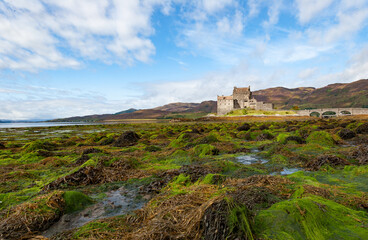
130,110
172,110
353,94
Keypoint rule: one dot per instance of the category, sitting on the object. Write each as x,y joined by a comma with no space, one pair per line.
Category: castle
241,98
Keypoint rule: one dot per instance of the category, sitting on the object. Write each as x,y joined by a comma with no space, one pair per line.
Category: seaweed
310,218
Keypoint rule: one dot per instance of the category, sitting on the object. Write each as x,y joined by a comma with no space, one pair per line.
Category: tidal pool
117,202
250,159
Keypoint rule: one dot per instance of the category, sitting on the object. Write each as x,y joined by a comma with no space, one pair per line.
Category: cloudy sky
78,57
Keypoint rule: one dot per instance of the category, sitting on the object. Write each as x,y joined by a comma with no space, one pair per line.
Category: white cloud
349,23
273,13
219,37
253,6
55,108
232,26
214,43
35,34
356,69
210,85
5,90
353,3
307,73
212,6
308,9
290,52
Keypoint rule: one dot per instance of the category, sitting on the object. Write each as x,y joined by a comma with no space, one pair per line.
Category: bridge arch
314,114
345,112
329,114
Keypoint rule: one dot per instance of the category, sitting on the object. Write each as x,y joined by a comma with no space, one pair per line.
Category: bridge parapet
338,111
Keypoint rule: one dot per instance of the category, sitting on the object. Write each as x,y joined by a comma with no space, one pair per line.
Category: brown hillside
283,97
206,107
177,107
140,114
353,94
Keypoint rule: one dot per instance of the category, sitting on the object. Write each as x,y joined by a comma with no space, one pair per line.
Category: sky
78,57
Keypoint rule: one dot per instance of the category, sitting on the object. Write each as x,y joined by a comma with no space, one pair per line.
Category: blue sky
78,57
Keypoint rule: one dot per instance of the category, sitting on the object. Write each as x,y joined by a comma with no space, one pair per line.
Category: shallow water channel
254,159
116,202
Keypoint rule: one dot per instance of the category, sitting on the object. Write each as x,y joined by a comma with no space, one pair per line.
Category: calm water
41,124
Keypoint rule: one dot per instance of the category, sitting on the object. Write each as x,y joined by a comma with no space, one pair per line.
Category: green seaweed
322,138
76,201
310,218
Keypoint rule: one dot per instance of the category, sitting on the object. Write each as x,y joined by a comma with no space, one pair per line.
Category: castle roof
224,97
241,90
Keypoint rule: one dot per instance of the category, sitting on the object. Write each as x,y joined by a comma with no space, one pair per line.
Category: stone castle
242,98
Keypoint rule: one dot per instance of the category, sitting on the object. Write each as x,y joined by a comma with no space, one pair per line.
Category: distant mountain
167,111
206,107
130,110
21,121
177,107
353,94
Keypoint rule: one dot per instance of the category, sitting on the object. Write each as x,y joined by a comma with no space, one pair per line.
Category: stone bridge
328,112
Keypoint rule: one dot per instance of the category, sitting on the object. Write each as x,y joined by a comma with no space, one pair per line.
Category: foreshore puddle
250,159
287,171
117,202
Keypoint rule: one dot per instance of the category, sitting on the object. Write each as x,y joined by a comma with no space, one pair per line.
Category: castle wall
224,106
241,98
264,106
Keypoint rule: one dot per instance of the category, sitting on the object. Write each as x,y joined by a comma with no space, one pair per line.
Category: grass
251,112
185,115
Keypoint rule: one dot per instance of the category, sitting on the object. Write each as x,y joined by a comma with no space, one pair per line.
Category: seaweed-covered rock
33,216
263,127
195,171
244,127
211,138
203,150
196,130
162,179
128,138
291,128
184,139
310,218
40,144
322,138
362,129
91,150
361,154
346,134
264,136
84,176
225,220
152,148
326,127
255,197
239,150
321,160
296,139
84,157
